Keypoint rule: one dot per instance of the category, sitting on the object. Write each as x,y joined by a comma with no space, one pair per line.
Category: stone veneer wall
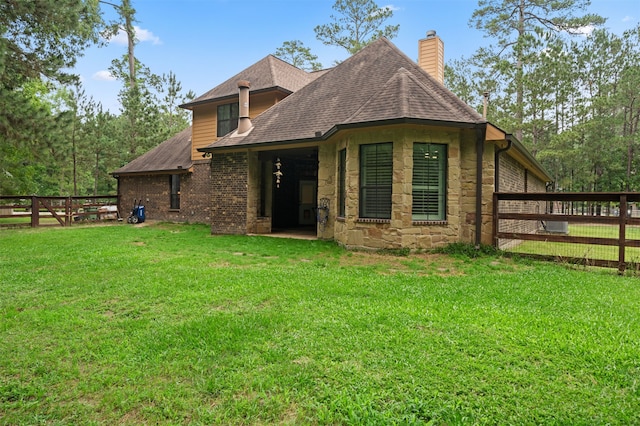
229,192
154,191
401,230
328,187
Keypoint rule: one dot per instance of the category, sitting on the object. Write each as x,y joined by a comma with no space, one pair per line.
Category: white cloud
103,75
627,18
585,31
142,35
390,7
146,35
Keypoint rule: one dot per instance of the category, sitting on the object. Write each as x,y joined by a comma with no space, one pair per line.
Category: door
307,202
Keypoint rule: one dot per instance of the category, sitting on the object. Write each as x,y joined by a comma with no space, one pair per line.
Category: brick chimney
431,55
244,123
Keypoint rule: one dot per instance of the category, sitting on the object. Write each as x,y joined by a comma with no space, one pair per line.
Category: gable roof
268,73
172,155
378,84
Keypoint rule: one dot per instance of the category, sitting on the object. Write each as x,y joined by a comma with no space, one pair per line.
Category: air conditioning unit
557,227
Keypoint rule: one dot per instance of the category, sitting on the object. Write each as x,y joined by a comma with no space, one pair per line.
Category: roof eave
190,105
333,130
179,170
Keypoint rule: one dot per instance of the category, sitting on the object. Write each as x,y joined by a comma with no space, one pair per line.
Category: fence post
622,234
67,211
35,212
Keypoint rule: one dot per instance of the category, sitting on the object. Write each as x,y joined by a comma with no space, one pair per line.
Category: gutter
496,162
179,170
319,136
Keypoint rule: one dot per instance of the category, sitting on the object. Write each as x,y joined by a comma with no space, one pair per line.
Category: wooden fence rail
16,211
545,217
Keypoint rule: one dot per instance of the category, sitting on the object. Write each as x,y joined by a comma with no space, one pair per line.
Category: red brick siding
512,179
154,191
229,183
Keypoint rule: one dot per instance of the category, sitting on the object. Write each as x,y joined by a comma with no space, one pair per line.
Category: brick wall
229,191
155,192
514,178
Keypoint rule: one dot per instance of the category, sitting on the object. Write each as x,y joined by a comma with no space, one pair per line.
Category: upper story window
429,181
376,178
227,118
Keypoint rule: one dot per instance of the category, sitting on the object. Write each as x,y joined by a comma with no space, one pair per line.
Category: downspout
496,162
481,134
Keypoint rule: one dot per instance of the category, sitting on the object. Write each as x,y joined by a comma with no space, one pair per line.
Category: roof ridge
403,74
436,96
376,94
439,87
272,68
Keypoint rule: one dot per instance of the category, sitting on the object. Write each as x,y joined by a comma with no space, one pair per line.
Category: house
173,179
374,153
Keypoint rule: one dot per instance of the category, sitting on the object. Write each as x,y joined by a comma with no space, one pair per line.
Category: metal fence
34,211
600,229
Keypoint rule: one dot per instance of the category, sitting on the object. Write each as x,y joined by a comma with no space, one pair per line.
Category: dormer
216,112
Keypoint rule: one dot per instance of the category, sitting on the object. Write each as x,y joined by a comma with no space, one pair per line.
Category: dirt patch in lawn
422,263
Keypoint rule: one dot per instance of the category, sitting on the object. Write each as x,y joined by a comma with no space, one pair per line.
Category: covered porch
283,188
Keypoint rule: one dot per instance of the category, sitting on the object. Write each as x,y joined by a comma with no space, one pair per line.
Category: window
342,181
376,177
227,118
174,190
429,181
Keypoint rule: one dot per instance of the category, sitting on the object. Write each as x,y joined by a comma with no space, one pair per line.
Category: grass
165,324
585,251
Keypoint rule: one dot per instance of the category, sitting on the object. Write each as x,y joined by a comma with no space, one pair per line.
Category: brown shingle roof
268,73
379,83
172,155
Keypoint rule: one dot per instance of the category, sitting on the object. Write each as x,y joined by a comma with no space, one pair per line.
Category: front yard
166,324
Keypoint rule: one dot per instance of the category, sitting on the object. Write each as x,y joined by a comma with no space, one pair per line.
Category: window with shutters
227,118
342,182
429,181
376,178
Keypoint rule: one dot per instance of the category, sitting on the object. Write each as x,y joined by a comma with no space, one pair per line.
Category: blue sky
205,42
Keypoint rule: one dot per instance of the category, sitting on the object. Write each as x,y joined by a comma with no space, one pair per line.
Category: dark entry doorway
295,197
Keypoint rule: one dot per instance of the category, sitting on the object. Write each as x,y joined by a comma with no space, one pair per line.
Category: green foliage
570,101
166,324
468,250
358,23
295,53
147,119
54,140
44,38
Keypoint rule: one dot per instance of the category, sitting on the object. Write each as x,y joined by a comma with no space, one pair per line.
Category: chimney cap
431,33
244,83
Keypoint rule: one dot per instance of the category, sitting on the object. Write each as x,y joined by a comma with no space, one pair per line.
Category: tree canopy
298,55
357,23
55,140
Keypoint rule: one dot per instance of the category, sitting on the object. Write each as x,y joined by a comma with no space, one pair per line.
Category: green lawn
166,324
